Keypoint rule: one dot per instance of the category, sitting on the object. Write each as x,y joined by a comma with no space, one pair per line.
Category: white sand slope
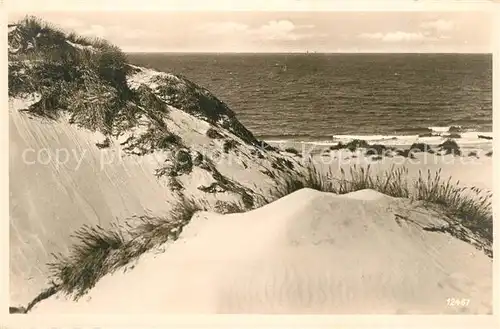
309,252
51,199
60,180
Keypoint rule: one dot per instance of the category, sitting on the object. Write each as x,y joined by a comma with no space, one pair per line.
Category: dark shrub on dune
214,134
17,310
420,147
229,145
351,146
339,146
489,154
88,80
455,129
472,154
484,137
357,143
450,147
183,162
376,149
292,150
371,152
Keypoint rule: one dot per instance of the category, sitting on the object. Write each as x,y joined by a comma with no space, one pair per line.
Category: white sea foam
444,129
466,139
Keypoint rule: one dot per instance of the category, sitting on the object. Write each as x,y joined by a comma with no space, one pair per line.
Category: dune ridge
309,252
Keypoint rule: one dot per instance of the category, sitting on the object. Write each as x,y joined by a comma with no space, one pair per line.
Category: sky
272,31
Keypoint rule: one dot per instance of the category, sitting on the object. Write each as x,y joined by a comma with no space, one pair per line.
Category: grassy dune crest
472,206
84,77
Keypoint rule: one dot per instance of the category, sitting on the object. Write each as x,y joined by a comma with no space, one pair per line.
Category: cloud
398,36
439,25
429,31
277,30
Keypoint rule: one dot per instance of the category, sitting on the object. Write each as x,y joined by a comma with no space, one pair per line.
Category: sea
327,98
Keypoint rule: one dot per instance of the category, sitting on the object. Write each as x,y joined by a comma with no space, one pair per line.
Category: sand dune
50,201
309,252
60,180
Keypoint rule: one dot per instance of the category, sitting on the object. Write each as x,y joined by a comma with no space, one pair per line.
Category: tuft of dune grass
470,205
392,182
88,81
89,259
98,251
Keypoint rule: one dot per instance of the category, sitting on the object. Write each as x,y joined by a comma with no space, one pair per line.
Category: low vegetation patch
87,80
471,206
377,149
455,129
380,150
83,77
450,147
420,147
292,150
392,182
214,134
229,145
98,251
351,146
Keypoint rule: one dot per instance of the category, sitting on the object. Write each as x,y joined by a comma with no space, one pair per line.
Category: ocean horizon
330,97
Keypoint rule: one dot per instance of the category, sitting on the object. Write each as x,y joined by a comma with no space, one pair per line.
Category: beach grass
392,182
470,205
88,260
86,77
98,251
